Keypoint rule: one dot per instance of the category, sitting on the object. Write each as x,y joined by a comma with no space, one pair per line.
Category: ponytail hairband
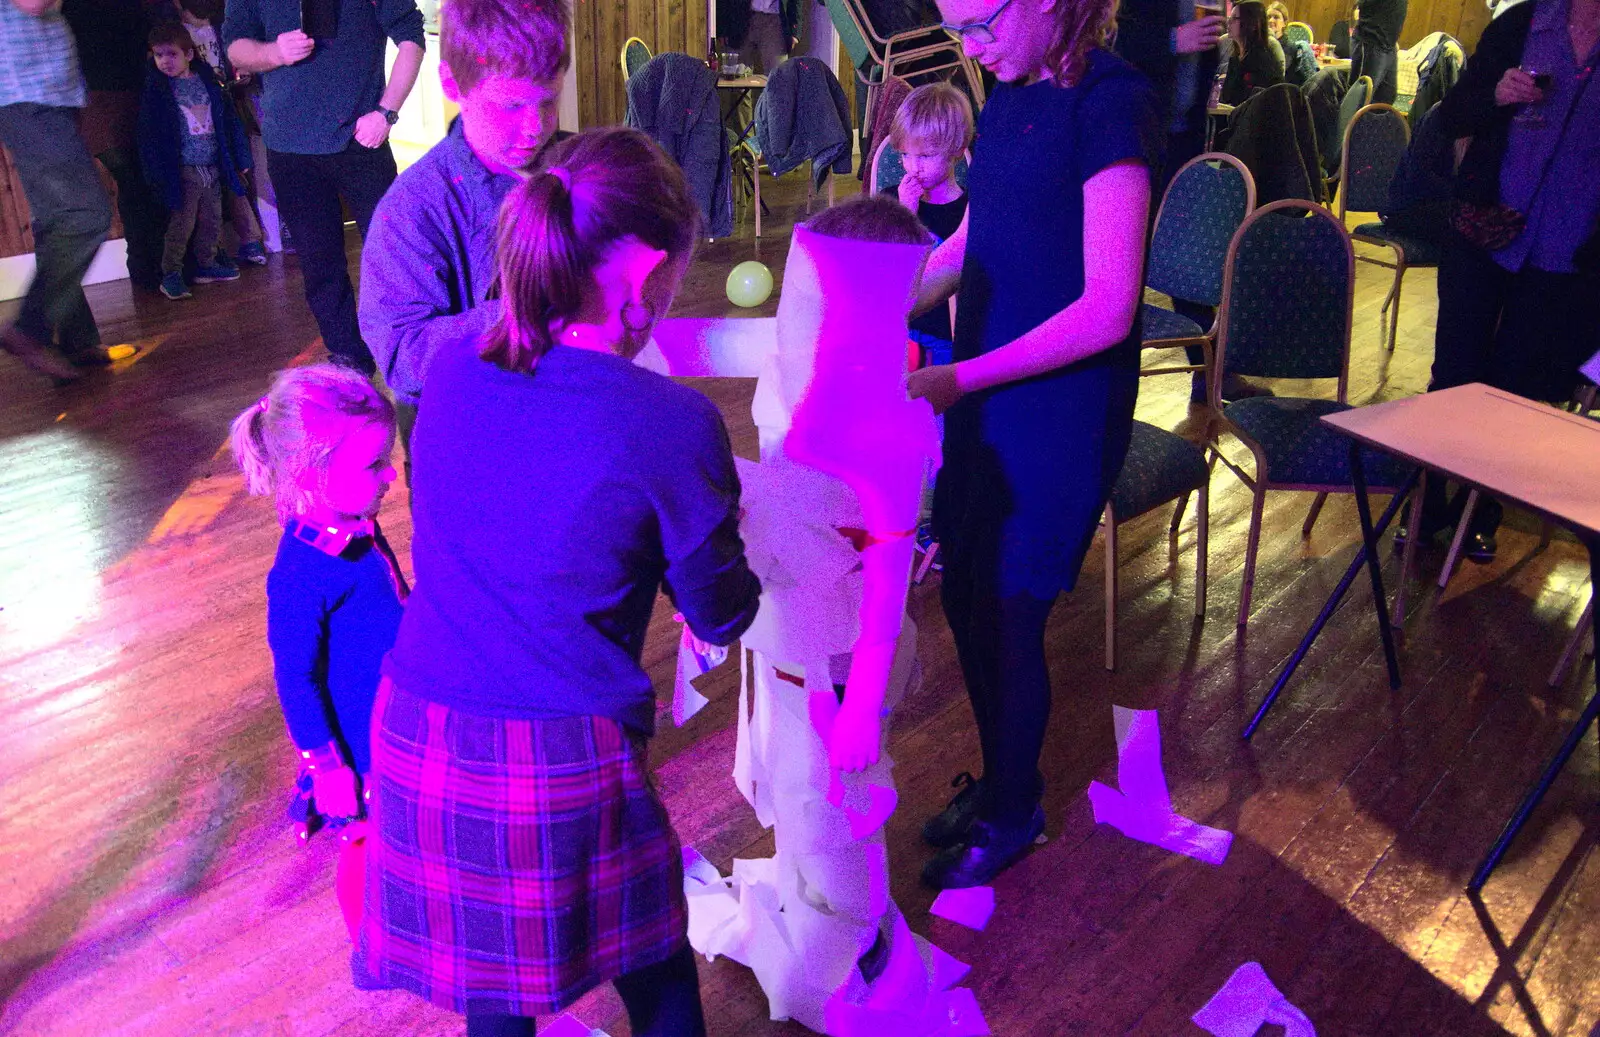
261,404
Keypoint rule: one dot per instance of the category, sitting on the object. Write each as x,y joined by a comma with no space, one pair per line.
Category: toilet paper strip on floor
1247,1002
1142,808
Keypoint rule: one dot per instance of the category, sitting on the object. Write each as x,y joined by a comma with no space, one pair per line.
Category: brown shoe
36,356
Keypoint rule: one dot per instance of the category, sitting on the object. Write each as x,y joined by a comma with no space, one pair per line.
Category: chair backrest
853,35
635,55
888,171
1299,31
1205,203
1339,38
1287,293
1356,98
1374,143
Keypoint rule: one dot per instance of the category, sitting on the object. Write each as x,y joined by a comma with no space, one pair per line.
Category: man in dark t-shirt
1374,46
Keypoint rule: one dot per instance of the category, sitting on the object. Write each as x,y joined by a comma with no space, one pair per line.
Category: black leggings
663,1000
1000,642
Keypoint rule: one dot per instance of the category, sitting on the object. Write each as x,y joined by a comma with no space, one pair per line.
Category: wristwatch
390,116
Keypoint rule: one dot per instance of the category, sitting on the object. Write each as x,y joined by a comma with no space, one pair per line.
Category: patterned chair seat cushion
1302,451
1419,252
1160,467
1164,324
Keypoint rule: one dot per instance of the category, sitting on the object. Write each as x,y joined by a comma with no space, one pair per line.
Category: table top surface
1535,455
750,82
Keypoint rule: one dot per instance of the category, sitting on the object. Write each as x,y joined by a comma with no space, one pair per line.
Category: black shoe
951,824
1479,547
94,356
986,852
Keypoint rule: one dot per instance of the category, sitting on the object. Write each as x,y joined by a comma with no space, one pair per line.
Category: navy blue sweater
329,622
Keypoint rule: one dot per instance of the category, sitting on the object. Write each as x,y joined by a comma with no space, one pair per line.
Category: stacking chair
1287,296
635,53
1374,144
1357,97
924,50
1160,467
1299,31
1204,204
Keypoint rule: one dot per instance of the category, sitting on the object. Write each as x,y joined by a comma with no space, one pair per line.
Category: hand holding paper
695,657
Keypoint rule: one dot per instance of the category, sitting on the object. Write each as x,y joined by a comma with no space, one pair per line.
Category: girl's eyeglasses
981,33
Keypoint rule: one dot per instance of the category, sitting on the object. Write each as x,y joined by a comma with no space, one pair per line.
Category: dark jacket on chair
161,136
802,116
673,99
1271,134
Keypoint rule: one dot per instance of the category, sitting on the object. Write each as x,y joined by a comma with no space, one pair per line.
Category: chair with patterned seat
1209,196
635,55
1301,32
1273,325
1160,467
1374,144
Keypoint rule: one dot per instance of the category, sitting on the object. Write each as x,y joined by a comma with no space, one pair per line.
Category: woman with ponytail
521,854
1039,402
319,443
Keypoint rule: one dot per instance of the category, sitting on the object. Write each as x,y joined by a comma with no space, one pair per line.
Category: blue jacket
674,100
802,117
161,135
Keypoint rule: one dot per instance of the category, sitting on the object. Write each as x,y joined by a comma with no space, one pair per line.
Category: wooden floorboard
150,884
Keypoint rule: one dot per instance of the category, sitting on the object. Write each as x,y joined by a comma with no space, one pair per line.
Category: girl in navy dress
319,442
1039,403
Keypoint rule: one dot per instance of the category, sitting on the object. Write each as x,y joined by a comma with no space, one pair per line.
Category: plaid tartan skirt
516,863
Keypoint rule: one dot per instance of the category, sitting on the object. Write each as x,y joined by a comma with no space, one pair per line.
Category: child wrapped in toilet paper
830,513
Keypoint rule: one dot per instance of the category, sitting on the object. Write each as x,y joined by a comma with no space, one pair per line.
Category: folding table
1538,457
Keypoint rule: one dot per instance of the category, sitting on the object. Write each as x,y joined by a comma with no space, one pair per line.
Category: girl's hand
334,790
910,191
853,743
696,645
937,385
1517,87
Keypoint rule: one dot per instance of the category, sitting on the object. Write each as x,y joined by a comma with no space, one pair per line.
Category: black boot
988,850
951,824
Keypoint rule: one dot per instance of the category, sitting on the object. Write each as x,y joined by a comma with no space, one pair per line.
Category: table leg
1326,614
1358,477
1568,747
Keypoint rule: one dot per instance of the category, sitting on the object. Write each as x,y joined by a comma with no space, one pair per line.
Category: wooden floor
150,884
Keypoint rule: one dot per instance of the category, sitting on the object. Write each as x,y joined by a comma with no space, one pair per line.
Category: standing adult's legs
144,218
364,177
1021,707
957,594
71,214
1383,68
663,1000
308,197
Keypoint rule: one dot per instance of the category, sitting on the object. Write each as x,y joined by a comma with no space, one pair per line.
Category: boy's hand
1200,35
853,743
294,46
911,190
696,645
372,129
1517,87
334,789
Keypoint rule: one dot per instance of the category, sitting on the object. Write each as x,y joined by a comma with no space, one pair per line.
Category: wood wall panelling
16,231
1463,19
601,27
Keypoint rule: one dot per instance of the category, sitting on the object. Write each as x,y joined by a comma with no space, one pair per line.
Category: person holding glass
1039,402
1517,287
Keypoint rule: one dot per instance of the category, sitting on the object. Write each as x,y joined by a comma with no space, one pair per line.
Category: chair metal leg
1569,654
1311,517
830,190
1252,545
1201,546
1110,522
1456,541
1394,314
1408,558
1177,515
755,178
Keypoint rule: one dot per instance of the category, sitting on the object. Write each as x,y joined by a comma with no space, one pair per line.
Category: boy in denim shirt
429,258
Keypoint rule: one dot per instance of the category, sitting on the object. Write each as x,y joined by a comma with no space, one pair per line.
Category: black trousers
71,217
1524,332
1382,65
1000,643
309,191
144,217
663,1000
